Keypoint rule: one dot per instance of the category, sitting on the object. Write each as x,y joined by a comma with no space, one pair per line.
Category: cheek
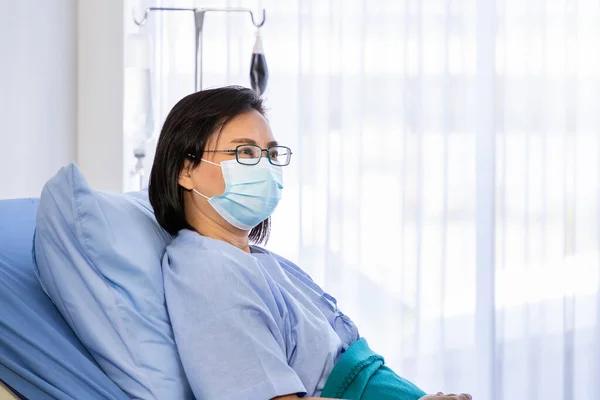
209,180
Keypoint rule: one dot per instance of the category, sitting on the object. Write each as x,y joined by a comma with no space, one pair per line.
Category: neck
206,226
215,231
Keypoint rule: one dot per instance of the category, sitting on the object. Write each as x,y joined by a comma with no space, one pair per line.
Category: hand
442,396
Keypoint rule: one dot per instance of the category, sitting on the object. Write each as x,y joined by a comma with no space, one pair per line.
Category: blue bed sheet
40,356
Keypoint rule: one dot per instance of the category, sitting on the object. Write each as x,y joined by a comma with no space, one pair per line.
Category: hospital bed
6,393
40,356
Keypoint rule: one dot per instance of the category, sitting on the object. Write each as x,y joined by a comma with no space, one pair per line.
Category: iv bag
259,73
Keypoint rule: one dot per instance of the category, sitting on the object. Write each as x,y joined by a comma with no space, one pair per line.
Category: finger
439,394
464,396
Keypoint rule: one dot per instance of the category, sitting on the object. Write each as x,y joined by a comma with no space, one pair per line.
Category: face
247,128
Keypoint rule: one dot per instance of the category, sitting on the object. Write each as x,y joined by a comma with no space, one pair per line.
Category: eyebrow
252,141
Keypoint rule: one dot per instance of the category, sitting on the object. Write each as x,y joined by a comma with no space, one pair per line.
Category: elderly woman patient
248,323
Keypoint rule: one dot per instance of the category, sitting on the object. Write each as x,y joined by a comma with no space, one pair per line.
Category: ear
185,176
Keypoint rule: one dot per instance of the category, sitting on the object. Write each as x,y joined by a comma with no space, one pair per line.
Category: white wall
38,92
100,92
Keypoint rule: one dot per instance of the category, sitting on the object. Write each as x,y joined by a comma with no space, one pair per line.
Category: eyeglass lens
251,154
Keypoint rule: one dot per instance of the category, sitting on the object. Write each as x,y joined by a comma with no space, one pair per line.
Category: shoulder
193,241
216,276
191,255
193,246
285,263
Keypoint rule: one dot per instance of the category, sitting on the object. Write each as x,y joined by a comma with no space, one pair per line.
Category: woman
248,324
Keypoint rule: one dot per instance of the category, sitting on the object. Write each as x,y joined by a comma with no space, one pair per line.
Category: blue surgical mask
252,192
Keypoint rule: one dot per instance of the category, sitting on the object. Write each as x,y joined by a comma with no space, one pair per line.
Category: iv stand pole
199,24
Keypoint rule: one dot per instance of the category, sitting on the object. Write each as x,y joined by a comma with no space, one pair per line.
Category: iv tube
139,119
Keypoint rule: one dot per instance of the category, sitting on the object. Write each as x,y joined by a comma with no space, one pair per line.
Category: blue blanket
40,356
361,374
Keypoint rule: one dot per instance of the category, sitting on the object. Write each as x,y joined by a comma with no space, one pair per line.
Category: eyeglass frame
259,158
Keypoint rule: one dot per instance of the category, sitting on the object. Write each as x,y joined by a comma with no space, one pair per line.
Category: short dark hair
187,130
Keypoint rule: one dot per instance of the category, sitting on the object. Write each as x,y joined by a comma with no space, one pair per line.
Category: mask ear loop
210,162
198,193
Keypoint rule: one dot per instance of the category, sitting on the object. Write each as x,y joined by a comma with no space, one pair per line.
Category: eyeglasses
250,154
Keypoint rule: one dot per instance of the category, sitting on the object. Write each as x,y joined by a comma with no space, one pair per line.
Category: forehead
251,125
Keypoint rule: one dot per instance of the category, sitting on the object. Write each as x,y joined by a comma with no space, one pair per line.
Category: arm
229,328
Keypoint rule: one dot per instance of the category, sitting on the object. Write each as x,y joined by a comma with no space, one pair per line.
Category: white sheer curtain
445,179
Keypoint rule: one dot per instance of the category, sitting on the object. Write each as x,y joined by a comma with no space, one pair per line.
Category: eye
248,152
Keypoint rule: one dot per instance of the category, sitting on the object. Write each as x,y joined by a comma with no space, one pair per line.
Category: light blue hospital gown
249,326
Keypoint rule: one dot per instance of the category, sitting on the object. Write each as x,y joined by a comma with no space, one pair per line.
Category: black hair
187,130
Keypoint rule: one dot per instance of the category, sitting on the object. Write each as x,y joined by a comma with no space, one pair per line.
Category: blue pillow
98,258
